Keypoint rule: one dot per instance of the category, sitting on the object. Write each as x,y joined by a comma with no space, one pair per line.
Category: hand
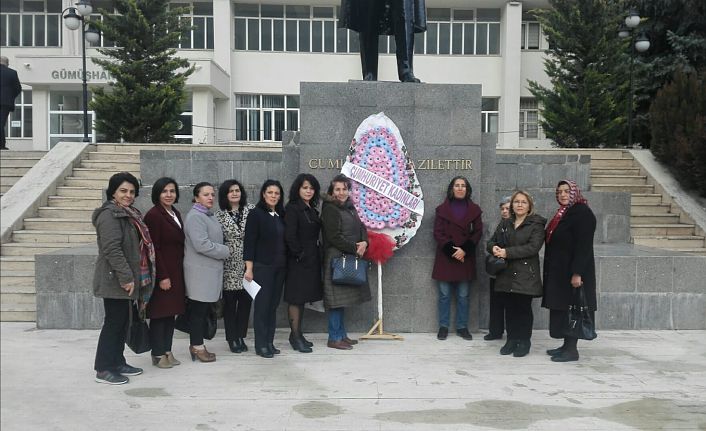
576,281
459,254
499,252
165,284
129,287
361,247
248,275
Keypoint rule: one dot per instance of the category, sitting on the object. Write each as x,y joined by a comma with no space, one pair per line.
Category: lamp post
72,21
637,44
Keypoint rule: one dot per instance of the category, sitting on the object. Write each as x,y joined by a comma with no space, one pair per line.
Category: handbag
138,332
182,321
578,320
494,265
349,269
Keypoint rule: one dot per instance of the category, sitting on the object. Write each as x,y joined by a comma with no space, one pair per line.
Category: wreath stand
377,332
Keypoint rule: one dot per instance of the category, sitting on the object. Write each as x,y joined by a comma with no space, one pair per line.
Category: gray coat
523,274
118,260
204,253
341,230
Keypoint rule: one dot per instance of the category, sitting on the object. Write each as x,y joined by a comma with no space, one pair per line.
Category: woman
518,240
343,232
236,301
568,264
496,321
124,271
457,230
266,262
166,227
302,228
204,253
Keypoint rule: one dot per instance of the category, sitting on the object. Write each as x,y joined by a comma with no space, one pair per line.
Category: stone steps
633,180
17,281
45,223
95,174
30,249
661,229
646,198
112,155
96,184
74,202
16,163
66,212
71,238
80,192
612,163
672,241
654,219
110,165
612,171
637,210
630,188
17,263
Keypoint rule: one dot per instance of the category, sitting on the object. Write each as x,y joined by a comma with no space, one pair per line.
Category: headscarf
575,197
148,270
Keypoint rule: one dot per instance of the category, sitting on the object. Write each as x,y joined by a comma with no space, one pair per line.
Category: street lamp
640,44
75,17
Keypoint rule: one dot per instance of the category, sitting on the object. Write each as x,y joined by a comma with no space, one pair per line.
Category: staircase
64,222
14,164
654,220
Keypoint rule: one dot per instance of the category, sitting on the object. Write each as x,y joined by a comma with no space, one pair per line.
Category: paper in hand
251,287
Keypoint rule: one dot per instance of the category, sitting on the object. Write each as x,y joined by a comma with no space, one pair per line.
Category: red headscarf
575,197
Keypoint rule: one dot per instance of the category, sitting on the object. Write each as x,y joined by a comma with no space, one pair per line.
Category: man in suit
10,88
371,18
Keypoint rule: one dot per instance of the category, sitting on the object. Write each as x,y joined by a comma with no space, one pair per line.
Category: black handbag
182,321
138,332
349,269
578,320
494,265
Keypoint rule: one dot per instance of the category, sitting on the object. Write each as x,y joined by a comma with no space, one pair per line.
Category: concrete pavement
625,380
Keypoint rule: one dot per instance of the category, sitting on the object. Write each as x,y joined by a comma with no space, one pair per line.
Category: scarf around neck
147,254
575,197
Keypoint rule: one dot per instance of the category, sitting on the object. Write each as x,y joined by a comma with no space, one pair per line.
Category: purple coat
449,232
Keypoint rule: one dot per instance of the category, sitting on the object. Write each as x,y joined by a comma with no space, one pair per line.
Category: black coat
301,232
262,240
570,251
522,246
360,15
10,87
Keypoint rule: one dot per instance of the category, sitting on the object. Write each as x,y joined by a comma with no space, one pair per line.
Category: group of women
173,266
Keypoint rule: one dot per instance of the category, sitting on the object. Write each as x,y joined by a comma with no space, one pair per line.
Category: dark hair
198,187
340,178
119,178
279,206
223,190
450,189
298,183
159,187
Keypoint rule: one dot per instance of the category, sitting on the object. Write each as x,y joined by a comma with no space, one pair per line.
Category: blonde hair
529,200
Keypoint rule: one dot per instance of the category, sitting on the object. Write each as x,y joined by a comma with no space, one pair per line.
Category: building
250,57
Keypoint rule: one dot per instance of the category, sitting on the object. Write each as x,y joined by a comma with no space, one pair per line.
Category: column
203,115
509,115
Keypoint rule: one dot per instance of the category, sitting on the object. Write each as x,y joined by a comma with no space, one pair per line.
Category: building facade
250,57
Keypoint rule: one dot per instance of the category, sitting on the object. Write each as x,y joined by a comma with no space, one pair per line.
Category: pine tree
586,105
145,101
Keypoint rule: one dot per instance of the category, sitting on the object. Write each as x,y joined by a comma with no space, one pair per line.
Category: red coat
450,232
168,240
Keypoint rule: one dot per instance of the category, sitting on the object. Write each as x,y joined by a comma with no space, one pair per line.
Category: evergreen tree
146,99
586,105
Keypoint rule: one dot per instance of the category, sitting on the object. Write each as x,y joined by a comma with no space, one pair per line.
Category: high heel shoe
161,361
298,344
203,355
234,346
243,346
306,342
172,360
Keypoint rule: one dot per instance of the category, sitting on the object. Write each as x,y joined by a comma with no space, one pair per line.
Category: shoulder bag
348,269
578,320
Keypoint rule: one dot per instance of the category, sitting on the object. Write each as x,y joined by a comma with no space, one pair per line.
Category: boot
297,344
522,349
570,352
509,347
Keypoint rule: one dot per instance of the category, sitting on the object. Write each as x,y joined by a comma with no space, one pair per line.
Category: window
460,32
30,23
98,6
66,117
489,114
529,118
530,35
200,17
19,124
265,117
185,133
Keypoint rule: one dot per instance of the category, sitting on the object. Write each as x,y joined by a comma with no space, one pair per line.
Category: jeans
462,288
111,342
336,324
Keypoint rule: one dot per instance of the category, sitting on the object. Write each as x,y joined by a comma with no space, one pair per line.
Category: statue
371,18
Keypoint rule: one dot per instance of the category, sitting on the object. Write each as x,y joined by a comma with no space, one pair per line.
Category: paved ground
626,380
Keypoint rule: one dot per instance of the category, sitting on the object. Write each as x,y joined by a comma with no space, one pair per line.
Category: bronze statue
371,18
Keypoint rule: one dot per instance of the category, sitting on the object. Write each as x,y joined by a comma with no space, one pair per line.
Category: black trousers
161,335
4,114
496,321
518,315
111,342
197,321
271,278
236,313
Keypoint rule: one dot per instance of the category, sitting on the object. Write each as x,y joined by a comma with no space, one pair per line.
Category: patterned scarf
575,197
147,255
